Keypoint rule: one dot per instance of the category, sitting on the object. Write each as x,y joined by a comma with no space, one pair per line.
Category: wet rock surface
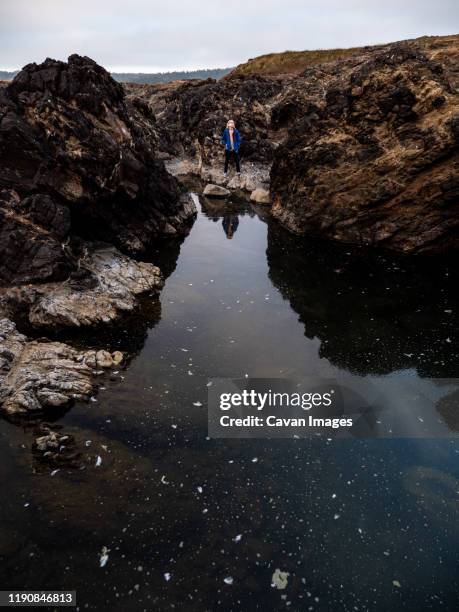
35,374
105,285
38,375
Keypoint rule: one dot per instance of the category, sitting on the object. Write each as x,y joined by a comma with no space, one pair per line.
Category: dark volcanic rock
378,164
363,149
29,251
74,161
191,115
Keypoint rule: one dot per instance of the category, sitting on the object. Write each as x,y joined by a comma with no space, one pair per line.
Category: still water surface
192,523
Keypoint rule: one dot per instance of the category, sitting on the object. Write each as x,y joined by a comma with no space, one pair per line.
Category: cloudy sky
152,35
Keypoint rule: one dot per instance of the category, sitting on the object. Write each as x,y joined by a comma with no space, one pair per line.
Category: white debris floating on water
167,576
103,556
228,580
98,461
279,579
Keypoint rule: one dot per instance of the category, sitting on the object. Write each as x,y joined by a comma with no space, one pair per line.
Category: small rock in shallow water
260,195
117,357
104,359
215,191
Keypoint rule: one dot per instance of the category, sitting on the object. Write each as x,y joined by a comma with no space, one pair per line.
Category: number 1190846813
37,598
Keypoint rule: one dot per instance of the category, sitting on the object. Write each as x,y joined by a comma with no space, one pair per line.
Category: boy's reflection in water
230,224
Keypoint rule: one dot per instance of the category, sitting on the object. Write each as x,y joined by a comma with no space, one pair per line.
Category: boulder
76,159
378,163
37,375
216,191
106,285
260,195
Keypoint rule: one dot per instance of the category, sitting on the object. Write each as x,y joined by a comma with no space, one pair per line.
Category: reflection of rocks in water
230,210
448,407
373,312
437,491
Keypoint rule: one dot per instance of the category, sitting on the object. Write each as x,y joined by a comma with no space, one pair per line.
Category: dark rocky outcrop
191,115
360,149
74,162
378,162
81,191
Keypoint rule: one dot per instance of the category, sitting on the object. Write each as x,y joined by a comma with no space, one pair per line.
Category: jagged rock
261,196
363,149
215,191
379,164
75,160
191,116
107,285
35,375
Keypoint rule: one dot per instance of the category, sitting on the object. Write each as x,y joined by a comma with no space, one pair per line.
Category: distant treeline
166,77
154,77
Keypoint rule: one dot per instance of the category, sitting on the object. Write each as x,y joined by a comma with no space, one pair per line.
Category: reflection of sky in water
350,520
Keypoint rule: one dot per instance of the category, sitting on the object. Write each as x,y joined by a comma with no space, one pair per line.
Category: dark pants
235,156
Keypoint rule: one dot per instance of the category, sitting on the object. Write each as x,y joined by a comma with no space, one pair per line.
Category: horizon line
126,70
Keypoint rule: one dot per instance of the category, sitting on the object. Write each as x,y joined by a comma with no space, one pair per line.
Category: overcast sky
151,35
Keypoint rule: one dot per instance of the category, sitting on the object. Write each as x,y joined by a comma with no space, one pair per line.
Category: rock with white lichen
36,375
107,284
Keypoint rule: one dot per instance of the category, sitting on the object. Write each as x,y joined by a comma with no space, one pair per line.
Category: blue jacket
226,140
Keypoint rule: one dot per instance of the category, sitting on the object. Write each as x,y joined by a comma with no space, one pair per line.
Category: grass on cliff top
294,62
290,62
